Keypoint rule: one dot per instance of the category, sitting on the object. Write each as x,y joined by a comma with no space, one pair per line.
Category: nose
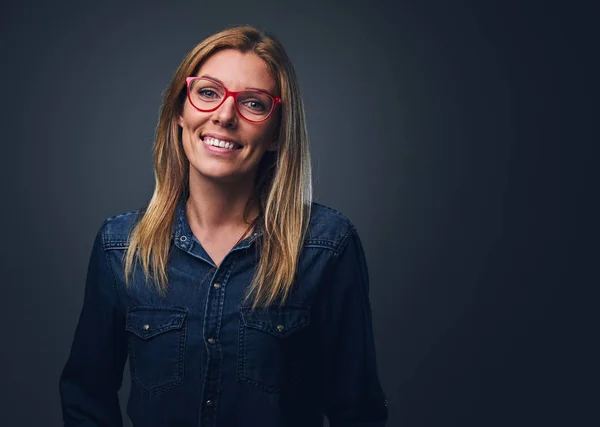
226,114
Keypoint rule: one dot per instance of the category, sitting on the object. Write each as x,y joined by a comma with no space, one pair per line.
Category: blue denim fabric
198,357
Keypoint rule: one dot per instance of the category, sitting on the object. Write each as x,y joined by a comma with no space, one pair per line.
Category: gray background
435,127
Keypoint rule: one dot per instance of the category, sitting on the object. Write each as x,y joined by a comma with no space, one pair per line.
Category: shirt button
280,328
183,238
211,340
209,402
217,286
146,327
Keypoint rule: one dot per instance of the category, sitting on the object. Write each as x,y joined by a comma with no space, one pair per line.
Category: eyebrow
219,81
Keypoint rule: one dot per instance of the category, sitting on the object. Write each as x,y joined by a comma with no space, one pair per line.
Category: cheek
188,150
191,118
265,135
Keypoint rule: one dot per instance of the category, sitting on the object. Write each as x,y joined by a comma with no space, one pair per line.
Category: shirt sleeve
352,392
93,373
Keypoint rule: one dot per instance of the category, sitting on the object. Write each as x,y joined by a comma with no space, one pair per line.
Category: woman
237,300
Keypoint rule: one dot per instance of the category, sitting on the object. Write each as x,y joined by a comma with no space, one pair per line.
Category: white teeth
217,143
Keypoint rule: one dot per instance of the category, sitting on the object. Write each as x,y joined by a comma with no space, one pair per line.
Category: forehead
239,70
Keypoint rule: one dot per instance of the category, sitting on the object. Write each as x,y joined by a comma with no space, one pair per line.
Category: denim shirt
200,357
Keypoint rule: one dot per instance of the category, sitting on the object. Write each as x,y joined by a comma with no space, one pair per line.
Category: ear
180,120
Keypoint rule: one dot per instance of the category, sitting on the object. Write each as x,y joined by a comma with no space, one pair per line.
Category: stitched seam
120,215
219,349
240,348
182,346
116,242
176,323
344,240
154,332
161,309
323,244
337,213
108,244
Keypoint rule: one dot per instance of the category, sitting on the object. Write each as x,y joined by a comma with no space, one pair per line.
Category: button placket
214,312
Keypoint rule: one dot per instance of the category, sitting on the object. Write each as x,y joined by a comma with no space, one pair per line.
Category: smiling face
205,135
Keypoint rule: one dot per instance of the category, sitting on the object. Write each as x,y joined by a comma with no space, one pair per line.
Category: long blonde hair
283,184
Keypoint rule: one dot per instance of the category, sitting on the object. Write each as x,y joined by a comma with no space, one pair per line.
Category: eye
255,105
208,93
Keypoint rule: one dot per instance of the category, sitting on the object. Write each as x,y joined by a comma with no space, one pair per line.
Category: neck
216,205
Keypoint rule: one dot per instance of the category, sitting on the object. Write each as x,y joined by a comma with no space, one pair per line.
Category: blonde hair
283,184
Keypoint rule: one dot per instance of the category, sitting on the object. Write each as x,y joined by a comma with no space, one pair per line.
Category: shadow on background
435,127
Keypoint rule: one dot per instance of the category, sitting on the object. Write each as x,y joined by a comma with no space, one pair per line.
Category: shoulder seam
320,243
332,244
336,248
115,243
337,213
120,215
344,240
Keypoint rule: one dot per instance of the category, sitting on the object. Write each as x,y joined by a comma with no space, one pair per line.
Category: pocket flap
147,322
277,321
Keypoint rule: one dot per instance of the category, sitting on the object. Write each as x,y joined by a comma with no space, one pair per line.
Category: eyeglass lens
208,95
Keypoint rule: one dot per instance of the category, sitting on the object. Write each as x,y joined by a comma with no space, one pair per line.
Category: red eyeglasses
206,94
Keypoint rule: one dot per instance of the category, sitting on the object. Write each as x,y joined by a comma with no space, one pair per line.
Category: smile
218,143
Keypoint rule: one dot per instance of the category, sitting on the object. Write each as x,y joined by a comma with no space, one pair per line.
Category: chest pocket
272,346
156,346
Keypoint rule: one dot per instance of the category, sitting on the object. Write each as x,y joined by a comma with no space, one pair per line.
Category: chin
218,173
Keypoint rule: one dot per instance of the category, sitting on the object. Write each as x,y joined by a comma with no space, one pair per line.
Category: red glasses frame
228,93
